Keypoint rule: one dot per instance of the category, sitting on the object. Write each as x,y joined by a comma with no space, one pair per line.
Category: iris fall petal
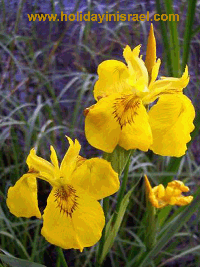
171,121
101,127
80,229
137,133
22,197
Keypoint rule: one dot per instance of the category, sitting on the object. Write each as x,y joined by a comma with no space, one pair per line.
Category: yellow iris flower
73,218
171,195
123,92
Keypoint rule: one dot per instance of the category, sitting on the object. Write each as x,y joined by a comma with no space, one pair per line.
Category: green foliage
118,158
15,262
112,229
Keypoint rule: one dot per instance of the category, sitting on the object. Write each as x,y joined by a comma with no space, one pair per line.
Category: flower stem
102,240
61,258
150,236
122,190
106,208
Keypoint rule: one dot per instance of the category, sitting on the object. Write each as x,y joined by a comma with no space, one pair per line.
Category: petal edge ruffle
171,121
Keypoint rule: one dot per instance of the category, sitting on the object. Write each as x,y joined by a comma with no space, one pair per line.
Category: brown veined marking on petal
101,96
121,83
80,161
125,108
32,170
86,111
66,199
117,69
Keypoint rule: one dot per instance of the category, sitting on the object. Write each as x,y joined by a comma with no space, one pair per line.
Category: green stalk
105,209
150,236
61,258
122,190
35,242
173,40
19,12
165,39
119,200
188,31
102,240
118,158
149,220
3,8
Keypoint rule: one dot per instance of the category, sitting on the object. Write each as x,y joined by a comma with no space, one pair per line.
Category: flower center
66,198
125,108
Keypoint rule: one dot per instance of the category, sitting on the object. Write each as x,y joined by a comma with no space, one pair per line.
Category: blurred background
47,73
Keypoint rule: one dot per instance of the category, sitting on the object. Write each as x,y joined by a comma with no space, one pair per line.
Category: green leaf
165,38
118,158
150,224
188,31
112,230
170,38
15,262
183,254
162,214
173,227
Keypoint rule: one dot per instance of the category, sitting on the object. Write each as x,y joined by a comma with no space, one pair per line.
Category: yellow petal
96,177
182,201
102,129
161,197
179,185
137,66
154,73
160,191
157,203
112,79
171,121
78,229
69,161
42,167
22,197
80,161
147,185
151,51
153,193
136,81
166,85
88,220
156,197
54,158
174,193
178,82
137,132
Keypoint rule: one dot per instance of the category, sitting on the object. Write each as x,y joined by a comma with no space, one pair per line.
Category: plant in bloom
123,94
73,218
171,195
